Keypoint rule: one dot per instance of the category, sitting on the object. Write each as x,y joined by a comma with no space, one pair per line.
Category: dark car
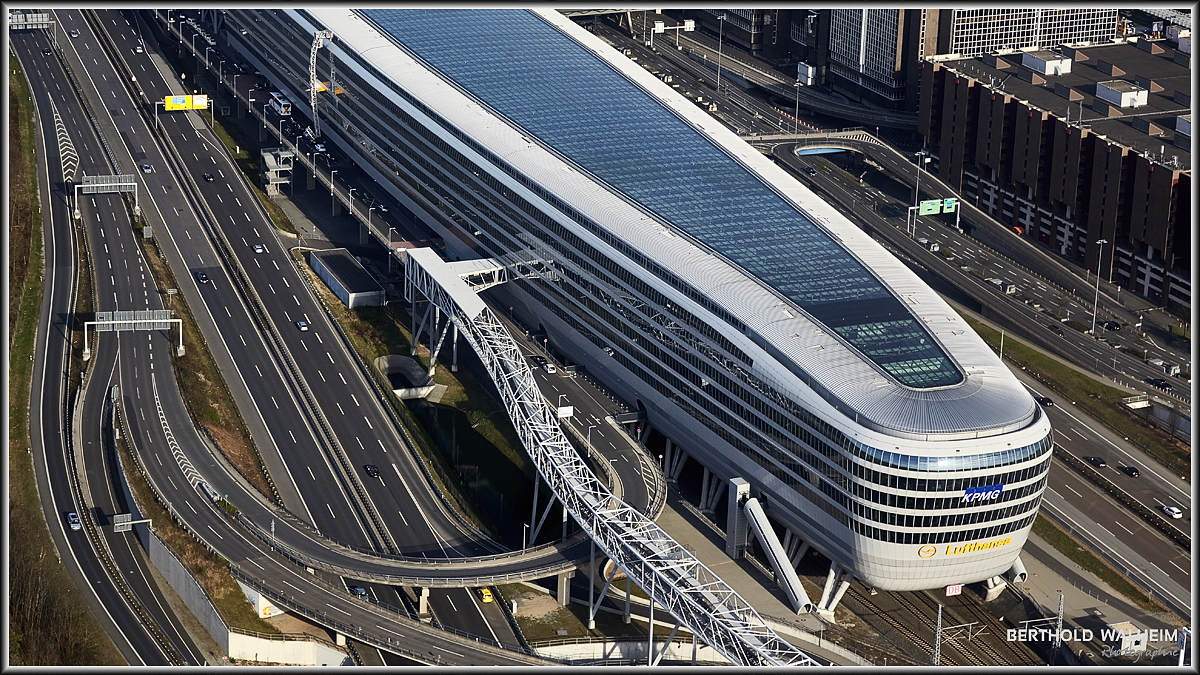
1098,462
1159,383
810,171
539,360
1111,325
1131,471
1057,331
358,591
371,470
202,277
208,178
46,51
1044,401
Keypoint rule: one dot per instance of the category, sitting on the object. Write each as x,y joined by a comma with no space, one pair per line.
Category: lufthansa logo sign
927,551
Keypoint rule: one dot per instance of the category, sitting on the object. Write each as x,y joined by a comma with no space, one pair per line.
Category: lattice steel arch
687,589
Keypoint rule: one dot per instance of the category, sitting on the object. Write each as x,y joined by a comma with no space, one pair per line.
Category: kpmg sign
983,493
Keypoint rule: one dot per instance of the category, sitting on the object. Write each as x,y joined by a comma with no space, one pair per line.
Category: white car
259,248
146,168
73,33
1172,511
73,521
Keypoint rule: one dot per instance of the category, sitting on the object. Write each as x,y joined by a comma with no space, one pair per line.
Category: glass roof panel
527,70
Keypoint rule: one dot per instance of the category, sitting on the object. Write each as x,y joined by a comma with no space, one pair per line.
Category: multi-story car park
757,328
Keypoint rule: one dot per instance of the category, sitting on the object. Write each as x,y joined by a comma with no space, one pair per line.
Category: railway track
1019,653
904,630
930,622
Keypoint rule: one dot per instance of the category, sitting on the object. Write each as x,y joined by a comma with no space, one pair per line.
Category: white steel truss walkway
672,576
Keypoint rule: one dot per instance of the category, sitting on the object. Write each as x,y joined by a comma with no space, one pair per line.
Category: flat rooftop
1161,109
347,271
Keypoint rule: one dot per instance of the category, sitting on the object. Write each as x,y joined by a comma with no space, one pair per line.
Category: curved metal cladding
866,414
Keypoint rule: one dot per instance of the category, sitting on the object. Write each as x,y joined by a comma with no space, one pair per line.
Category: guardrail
385,642
274,342
671,574
1150,516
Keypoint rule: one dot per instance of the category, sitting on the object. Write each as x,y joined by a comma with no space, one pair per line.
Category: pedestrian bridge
663,568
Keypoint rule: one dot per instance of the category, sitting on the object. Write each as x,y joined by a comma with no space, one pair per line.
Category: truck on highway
1009,289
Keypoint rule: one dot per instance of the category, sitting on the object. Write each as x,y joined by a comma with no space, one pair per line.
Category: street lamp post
156,104
206,51
589,439
391,249
1096,300
720,45
525,537
350,199
921,161
332,198
796,123
194,55
369,217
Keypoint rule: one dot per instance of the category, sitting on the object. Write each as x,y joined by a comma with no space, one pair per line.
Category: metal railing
672,575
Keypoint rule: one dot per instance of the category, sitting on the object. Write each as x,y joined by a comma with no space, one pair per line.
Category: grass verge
210,570
1097,399
202,385
378,331
49,623
1079,554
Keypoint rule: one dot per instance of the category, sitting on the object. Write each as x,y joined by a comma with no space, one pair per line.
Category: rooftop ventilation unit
1046,62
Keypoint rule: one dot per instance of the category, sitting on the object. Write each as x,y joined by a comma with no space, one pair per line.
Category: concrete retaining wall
677,651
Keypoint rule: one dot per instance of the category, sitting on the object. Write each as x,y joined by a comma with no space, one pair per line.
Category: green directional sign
930,207
949,205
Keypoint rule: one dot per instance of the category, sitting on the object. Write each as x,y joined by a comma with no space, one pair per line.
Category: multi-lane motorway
284,414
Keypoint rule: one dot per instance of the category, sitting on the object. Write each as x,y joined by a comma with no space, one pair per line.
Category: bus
281,105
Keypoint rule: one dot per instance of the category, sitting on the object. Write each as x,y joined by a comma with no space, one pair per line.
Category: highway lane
973,254
50,389
171,217
346,399
183,131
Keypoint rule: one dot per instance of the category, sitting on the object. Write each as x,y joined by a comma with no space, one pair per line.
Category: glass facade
550,86
678,354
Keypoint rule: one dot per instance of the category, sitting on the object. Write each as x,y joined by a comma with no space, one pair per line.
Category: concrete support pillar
834,571
841,590
666,467
628,588
311,183
993,587
680,459
337,206
364,235
714,489
644,433
592,589
564,588
454,348
564,510
795,559
704,490
737,528
340,639
423,602
787,542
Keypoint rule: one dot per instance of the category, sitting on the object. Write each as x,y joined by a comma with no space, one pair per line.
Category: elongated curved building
759,329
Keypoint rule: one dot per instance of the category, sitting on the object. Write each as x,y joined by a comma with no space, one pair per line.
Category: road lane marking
1073,490
1123,527
330,510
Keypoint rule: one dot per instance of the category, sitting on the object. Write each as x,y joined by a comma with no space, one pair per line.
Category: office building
1075,145
753,324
